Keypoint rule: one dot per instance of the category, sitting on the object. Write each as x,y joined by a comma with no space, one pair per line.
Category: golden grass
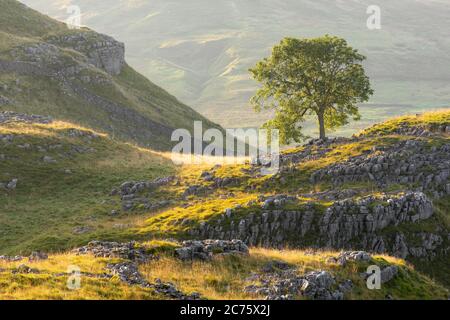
225,277
169,221
51,281
433,118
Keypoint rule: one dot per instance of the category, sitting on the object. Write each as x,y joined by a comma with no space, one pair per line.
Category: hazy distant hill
200,49
82,76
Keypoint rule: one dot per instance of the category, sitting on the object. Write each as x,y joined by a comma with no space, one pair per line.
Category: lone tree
322,77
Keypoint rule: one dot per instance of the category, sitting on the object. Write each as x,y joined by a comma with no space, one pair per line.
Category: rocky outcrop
280,281
10,185
205,250
406,129
412,162
4,100
11,117
351,223
288,285
349,219
102,51
132,193
346,256
105,249
37,256
128,272
11,258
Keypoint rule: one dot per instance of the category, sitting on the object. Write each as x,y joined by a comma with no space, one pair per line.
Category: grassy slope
41,95
213,204
221,278
48,203
51,282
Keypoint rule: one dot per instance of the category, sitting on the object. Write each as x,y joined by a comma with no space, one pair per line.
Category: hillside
201,50
383,193
55,178
386,190
154,270
81,76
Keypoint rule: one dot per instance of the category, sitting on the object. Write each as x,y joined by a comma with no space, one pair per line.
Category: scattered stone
128,272
350,255
11,258
226,182
273,266
195,190
411,162
207,176
25,269
4,100
131,194
82,229
48,159
12,184
104,249
206,249
287,285
388,273
37,256
277,201
10,116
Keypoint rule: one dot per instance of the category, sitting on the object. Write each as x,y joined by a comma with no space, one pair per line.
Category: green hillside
82,77
64,175
62,186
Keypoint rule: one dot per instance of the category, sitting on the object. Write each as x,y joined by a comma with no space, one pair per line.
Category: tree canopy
323,77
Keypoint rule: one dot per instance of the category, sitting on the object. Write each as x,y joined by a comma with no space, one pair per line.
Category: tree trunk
321,125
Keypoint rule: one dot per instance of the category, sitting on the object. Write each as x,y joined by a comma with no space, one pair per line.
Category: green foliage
322,77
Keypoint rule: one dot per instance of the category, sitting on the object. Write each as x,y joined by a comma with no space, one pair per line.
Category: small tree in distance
321,76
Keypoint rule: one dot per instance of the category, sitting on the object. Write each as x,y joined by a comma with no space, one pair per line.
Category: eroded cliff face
102,51
69,55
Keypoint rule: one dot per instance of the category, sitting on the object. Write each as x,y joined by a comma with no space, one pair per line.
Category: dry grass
51,281
225,277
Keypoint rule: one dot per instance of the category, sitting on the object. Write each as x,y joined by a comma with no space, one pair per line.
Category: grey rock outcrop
105,249
10,116
128,272
388,273
102,51
411,162
37,256
206,249
132,193
287,284
4,100
344,225
350,256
